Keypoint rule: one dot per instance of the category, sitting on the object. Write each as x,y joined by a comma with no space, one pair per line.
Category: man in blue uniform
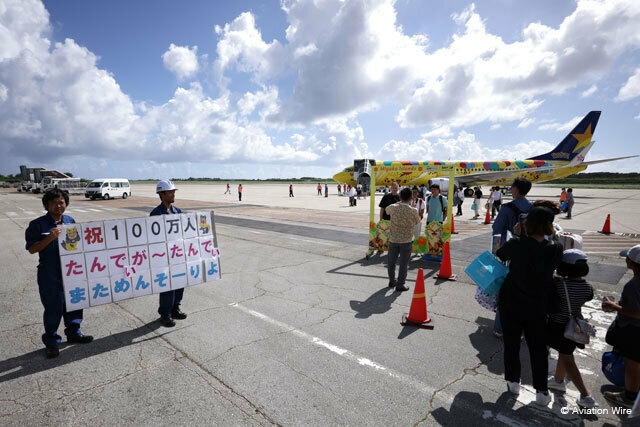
42,237
169,301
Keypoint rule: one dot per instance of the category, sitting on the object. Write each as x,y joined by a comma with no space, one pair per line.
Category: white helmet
165,185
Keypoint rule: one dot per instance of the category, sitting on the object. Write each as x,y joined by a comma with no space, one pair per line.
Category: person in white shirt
418,203
460,201
352,196
497,201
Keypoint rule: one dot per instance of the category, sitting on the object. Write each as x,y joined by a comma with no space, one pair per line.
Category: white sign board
110,261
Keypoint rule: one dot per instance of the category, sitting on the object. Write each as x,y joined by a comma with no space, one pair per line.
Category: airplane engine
443,183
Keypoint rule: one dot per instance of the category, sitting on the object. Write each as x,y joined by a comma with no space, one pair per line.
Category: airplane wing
480,177
594,162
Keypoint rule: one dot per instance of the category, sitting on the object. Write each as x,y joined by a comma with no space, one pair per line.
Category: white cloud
589,91
566,127
241,47
526,122
631,88
637,117
58,105
351,57
495,126
503,80
439,132
181,61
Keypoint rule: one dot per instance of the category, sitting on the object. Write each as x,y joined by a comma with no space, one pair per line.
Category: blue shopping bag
487,272
613,368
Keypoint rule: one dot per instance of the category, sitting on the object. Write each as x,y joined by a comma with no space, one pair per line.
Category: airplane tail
575,142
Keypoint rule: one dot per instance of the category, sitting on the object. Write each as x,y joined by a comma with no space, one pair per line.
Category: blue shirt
49,266
162,210
506,218
435,208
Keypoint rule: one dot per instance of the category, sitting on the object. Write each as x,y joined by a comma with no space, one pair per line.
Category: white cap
570,256
633,254
165,185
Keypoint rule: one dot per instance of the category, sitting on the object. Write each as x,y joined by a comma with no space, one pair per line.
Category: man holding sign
169,301
42,237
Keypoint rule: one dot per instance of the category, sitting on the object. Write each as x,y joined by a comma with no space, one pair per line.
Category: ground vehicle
108,188
68,185
32,178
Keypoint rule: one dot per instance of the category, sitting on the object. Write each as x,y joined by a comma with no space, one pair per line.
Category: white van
108,188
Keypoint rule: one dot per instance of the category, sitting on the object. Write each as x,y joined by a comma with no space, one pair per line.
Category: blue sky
259,89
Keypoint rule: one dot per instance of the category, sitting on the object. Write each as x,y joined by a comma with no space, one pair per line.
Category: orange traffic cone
418,313
445,265
453,226
487,218
606,229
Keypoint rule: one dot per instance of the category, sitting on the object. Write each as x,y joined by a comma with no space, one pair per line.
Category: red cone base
418,313
487,218
445,266
453,225
606,229
424,325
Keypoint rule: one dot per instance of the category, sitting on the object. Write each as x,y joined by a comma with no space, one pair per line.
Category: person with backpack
573,292
525,299
512,213
436,205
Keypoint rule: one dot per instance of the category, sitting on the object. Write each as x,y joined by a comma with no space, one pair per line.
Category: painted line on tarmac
346,354
312,241
12,214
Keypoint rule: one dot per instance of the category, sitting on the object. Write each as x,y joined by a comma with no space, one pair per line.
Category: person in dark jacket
42,238
526,297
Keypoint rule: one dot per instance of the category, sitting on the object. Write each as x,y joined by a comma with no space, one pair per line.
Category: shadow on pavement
414,264
490,348
469,409
35,361
379,302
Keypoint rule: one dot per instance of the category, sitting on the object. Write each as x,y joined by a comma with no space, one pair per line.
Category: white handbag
569,240
577,330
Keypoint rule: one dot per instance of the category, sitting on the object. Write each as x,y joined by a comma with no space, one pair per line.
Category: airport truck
68,185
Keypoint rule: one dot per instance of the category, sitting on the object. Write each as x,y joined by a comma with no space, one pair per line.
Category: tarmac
300,330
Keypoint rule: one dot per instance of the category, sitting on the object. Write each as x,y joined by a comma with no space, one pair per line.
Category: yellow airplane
564,160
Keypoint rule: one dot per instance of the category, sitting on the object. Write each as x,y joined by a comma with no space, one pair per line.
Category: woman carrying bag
573,291
526,297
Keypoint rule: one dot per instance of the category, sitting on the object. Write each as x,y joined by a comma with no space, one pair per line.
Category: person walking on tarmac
42,238
570,202
326,190
228,189
319,189
169,308
239,192
290,190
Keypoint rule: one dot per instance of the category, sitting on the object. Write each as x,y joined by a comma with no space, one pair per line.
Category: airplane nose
338,177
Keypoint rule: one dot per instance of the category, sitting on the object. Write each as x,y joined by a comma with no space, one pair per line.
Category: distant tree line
600,178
